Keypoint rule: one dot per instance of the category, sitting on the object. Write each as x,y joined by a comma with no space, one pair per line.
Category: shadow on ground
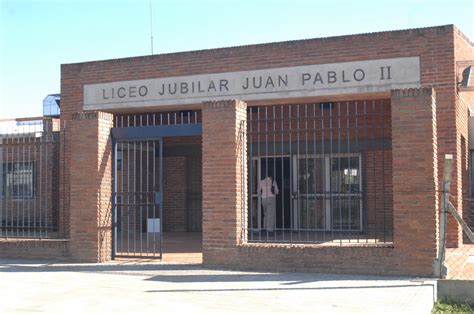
192,273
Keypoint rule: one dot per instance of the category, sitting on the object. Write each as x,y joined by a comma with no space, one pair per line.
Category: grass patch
452,307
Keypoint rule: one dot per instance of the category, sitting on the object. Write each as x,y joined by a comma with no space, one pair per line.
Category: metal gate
138,210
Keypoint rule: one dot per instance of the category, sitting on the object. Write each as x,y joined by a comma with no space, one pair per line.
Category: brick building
351,130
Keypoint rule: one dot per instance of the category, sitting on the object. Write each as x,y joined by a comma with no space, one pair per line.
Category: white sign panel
278,83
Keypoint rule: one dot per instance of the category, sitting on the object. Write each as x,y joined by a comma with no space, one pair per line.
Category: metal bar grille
157,118
29,178
137,196
320,172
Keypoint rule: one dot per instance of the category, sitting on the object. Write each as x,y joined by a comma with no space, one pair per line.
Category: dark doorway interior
182,184
182,198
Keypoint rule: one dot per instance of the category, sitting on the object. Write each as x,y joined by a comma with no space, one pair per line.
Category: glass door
346,193
327,194
310,211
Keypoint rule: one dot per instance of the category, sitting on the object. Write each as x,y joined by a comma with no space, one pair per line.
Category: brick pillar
415,178
51,129
224,124
91,186
64,220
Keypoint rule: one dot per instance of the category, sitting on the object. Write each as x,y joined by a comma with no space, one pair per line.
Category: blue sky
37,36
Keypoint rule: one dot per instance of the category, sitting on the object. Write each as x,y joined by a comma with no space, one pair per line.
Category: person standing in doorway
268,191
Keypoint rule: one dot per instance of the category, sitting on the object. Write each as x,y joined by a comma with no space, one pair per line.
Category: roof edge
463,36
446,27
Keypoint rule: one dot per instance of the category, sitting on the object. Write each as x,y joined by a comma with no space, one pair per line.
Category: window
329,194
317,192
17,179
345,174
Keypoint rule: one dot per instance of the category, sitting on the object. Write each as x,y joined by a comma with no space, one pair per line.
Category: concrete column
415,178
224,183
91,186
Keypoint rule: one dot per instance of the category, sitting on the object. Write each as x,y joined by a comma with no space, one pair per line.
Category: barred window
17,179
332,164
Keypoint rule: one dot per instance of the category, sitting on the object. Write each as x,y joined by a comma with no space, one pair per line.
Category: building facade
350,131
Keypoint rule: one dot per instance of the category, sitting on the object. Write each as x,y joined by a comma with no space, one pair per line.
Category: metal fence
29,178
320,172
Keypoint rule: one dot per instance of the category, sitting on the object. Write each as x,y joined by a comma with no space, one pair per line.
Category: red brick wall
221,178
355,259
415,173
35,249
174,194
194,193
182,184
464,54
414,199
91,191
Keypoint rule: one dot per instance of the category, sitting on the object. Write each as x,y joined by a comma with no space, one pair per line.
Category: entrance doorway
157,186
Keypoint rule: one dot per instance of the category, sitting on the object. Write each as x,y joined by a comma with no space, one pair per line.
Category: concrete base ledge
456,290
28,248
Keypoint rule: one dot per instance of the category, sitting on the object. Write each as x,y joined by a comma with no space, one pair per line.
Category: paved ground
133,287
461,262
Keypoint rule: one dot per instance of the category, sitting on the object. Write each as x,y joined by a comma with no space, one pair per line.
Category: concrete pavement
133,287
